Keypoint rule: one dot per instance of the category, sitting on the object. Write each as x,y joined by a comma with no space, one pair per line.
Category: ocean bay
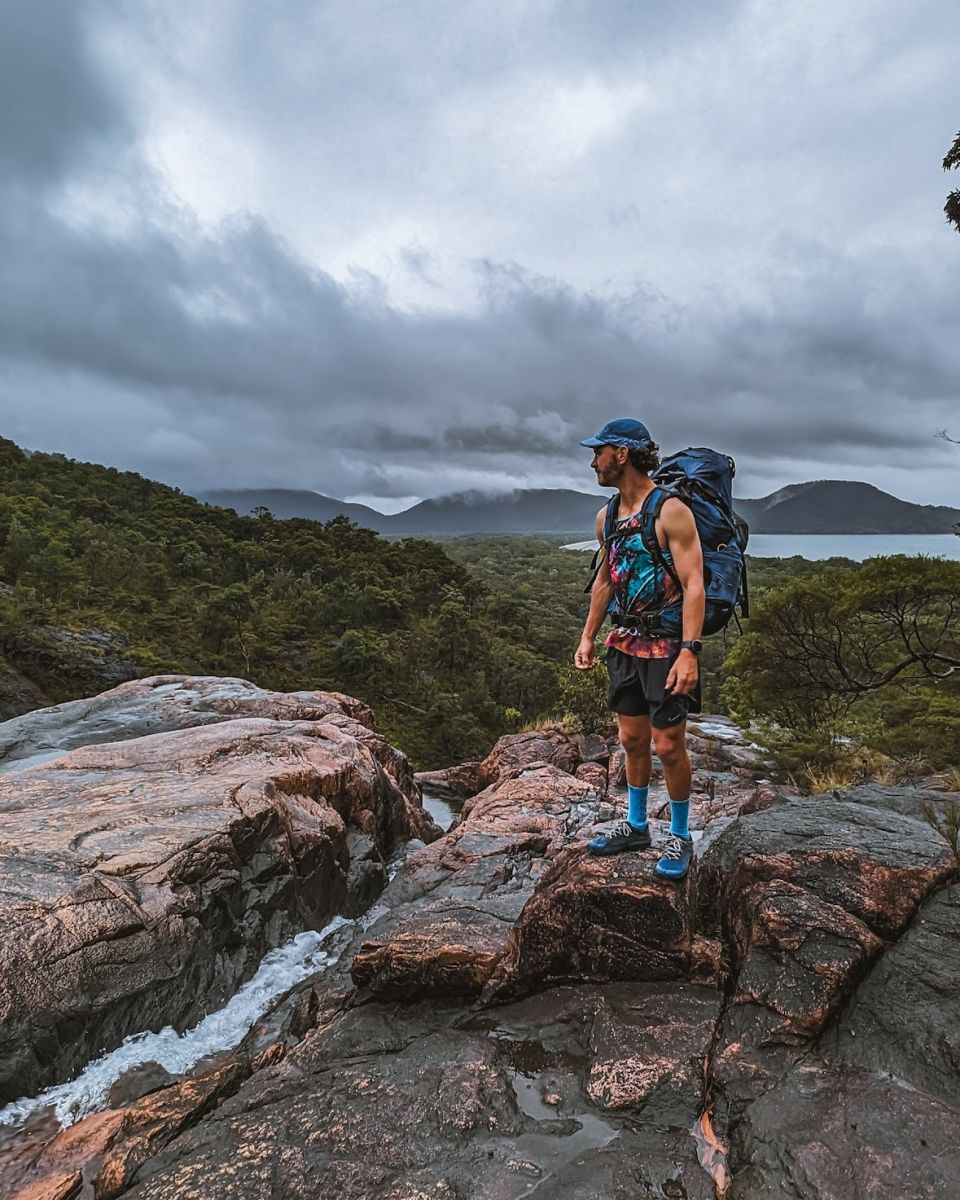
855,546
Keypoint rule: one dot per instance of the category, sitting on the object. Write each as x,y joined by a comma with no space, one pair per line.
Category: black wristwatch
695,646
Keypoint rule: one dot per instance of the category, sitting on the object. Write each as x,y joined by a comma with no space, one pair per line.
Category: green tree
227,612
952,207
820,646
18,550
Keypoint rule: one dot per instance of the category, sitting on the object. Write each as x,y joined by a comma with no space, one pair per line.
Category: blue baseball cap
622,432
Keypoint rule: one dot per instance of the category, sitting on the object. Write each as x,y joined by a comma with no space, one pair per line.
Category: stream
303,958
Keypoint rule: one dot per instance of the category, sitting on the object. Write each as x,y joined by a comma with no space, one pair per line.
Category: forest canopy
107,576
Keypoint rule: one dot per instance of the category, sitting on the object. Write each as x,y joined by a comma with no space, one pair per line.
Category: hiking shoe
675,861
624,837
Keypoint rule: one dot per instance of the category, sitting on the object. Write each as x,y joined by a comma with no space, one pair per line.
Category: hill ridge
814,506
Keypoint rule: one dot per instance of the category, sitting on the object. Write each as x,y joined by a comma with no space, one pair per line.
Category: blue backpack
703,480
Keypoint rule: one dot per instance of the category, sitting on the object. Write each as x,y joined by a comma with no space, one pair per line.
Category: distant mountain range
842,506
822,506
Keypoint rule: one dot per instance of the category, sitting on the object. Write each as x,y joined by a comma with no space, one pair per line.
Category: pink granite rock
143,879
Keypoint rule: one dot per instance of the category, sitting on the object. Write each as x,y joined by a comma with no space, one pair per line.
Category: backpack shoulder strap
609,522
648,530
610,519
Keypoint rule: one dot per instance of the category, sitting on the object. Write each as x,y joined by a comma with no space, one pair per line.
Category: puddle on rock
546,1083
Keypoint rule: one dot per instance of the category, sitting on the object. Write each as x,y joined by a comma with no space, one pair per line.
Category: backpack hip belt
647,623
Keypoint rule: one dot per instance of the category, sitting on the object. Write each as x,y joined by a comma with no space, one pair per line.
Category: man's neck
634,489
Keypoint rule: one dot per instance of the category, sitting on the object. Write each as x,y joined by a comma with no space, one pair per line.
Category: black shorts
637,690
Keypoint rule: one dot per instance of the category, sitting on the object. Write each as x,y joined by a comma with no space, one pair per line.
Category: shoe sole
618,850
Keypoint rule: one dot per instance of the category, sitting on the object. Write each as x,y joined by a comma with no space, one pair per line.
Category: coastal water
856,546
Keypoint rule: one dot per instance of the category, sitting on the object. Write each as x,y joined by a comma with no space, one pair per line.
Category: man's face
608,462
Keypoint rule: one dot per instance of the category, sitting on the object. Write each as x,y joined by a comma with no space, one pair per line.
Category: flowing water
178,1053
305,956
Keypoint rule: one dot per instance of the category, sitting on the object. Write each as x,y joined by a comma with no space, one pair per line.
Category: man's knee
670,744
634,742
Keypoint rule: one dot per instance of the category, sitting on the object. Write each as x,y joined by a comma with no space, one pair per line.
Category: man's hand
683,674
586,655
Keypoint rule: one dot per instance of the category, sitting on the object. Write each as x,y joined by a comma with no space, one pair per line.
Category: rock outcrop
581,1091
831,1133
904,1018
809,894
729,775
505,904
512,754
161,704
18,694
514,1017
144,878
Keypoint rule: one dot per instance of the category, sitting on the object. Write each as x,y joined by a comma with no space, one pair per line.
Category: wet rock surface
834,1132
809,894
161,704
401,1103
510,902
875,864
904,1018
142,879
450,913
513,1017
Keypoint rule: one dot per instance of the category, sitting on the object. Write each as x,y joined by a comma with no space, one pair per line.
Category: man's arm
683,542
600,596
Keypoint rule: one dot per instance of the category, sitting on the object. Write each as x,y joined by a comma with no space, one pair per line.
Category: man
654,680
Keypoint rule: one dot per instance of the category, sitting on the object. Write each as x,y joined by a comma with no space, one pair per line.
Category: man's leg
671,747
634,834
634,735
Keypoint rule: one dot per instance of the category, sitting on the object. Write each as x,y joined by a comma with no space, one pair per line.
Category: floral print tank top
637,582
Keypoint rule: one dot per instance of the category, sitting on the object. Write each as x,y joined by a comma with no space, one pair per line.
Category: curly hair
646,460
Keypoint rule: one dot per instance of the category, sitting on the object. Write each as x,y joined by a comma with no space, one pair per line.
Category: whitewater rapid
179,1053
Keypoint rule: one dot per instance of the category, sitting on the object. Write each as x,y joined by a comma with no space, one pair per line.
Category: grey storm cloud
135,330
54,107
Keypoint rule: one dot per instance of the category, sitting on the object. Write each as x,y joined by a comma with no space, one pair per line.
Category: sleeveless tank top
637,581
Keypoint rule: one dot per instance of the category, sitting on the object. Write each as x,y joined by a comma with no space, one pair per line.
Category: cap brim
593,443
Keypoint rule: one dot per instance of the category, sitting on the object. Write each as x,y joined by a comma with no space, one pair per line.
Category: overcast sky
392,250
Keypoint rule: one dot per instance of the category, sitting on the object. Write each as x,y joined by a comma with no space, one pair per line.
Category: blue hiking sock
637,806
679,816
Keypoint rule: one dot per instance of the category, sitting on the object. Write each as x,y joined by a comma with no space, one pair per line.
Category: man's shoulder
674,506
676,514
605,508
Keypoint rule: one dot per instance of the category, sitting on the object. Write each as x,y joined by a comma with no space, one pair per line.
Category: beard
609,476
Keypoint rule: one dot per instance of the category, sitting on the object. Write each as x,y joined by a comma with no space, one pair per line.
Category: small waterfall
179,1053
